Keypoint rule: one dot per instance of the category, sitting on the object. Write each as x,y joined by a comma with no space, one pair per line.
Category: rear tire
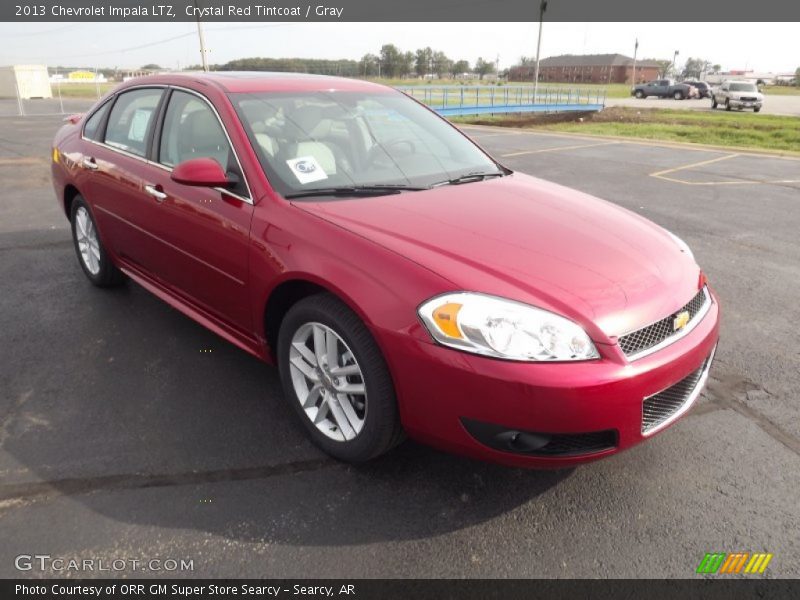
92,255
354,426
678,95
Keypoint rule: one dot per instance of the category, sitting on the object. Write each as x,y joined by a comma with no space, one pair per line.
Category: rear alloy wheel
94,260
336,379
678,95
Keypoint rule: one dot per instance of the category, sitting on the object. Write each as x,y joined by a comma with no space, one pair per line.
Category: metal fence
65,98
457,100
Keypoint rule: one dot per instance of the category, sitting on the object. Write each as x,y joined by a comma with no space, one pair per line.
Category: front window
332,139
743,87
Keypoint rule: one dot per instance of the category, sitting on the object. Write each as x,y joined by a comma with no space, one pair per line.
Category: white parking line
556,149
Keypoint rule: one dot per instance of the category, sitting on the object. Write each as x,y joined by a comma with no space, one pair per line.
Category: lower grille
748,99
530,443
664,407
637,343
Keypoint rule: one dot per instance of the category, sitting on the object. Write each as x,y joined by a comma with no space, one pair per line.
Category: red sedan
403,281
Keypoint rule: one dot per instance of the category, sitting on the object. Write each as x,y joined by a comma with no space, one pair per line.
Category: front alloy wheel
336,379
328,381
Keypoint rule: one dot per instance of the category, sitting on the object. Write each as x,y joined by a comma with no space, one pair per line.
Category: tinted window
130,120
91,130
743,87
192,130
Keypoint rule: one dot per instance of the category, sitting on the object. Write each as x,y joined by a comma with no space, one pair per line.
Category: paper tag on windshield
306,169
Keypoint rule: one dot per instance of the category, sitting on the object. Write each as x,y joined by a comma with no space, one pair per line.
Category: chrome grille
667,405
641,340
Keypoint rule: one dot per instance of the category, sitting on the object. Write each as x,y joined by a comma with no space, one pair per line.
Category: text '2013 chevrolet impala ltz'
403,281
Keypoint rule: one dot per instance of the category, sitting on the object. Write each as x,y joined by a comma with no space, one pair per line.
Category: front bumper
745,103
442,393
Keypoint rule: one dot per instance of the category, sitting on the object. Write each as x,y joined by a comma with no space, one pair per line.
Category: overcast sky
771,47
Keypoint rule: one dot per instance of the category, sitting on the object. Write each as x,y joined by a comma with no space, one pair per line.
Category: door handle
88,163
155,192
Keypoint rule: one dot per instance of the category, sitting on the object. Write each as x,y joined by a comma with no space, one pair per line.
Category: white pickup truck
737,94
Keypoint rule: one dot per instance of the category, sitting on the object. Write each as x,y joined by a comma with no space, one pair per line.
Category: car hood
533,241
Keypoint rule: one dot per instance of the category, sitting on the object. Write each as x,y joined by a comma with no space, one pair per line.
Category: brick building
588,68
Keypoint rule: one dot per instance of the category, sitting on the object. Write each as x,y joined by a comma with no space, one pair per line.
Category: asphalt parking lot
128,431
788,105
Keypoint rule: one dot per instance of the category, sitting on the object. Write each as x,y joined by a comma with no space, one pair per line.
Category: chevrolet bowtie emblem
680,321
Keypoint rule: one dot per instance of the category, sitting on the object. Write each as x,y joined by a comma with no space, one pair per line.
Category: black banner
411,589
407,10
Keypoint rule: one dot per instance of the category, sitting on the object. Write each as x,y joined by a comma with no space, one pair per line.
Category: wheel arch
290,290
70,192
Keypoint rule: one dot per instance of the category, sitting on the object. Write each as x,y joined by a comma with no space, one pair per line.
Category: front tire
336,379
757,109
92,256
639,94
727,104
713,102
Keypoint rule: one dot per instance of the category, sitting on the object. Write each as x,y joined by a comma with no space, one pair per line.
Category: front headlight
502,328
684,247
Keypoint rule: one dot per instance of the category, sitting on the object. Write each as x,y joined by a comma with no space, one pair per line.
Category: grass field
781,90
737,129
82,90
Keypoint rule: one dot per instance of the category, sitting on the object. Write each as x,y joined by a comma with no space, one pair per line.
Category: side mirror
200,172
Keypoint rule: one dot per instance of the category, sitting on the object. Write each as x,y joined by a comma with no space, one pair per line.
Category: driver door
205,231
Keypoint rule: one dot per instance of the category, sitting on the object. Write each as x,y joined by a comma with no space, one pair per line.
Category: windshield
331,139
743,87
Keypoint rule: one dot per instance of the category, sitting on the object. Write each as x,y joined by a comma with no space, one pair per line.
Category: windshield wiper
469,178
355,190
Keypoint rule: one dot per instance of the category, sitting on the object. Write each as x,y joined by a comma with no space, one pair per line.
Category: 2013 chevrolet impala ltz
403,281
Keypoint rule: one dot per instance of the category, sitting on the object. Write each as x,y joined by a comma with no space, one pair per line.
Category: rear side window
130,120
91,130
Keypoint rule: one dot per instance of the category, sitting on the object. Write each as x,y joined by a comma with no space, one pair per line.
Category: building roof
594,60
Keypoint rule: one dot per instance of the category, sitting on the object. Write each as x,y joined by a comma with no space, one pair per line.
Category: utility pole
542,9
635,50
203,51
674,58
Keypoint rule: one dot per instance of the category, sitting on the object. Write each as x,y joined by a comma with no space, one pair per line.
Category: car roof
262,81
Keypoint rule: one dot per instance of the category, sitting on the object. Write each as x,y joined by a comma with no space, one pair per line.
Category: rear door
205,231
115,159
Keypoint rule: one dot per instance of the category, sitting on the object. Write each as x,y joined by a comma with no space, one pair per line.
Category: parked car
703,88
403,281
737,94
663,88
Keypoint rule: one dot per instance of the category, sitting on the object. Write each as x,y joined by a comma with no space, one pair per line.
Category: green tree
406,64
441,64
694,68
151,67
461,66
368,65
797,77
483,67
391,60
423,60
